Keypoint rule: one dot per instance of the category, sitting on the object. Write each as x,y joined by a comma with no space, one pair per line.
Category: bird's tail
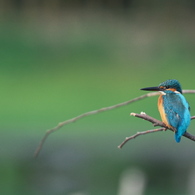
177,137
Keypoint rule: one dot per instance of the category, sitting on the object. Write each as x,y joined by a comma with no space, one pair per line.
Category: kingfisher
173,107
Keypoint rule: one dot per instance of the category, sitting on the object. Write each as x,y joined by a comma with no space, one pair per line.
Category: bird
173,107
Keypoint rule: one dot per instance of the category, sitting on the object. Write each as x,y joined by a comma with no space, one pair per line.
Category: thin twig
155,122
48,132
146,117
61,124
138,134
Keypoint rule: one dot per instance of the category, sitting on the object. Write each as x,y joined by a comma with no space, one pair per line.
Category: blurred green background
59,59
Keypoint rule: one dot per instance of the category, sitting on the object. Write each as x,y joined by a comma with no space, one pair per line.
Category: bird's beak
151,89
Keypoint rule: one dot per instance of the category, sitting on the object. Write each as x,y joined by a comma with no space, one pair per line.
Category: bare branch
138,134
61,124
146,117
155,122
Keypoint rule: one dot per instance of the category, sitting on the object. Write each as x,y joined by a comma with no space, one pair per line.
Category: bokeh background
59,59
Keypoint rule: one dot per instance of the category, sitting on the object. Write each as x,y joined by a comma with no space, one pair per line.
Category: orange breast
162,111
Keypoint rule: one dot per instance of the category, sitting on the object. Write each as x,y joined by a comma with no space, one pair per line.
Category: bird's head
166,86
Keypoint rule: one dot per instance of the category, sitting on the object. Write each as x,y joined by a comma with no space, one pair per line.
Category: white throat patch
162,92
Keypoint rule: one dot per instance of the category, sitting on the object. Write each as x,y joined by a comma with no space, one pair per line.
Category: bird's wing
175,107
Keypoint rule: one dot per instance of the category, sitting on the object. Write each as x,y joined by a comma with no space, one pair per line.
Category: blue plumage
177,112
173,107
